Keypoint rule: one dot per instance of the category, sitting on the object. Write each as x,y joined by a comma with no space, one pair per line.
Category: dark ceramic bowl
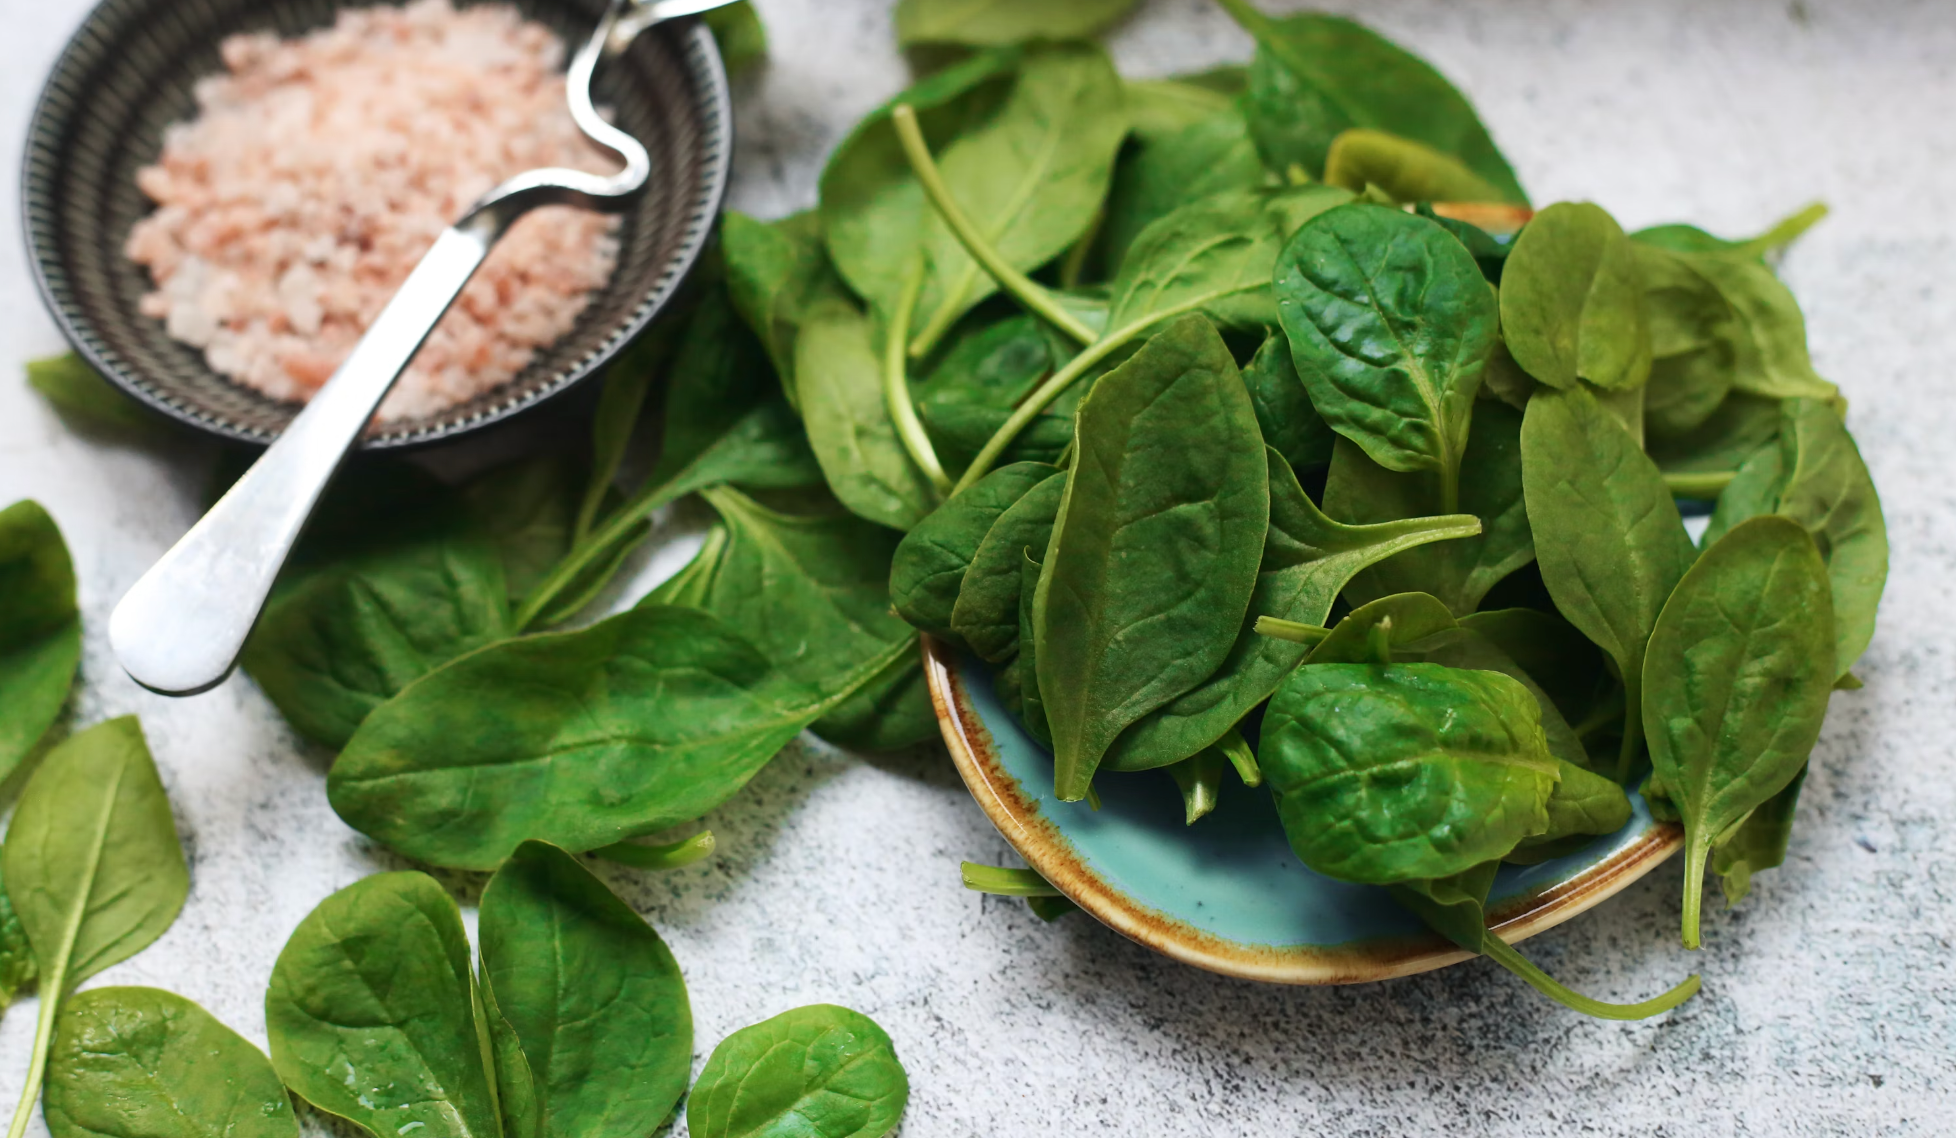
128,73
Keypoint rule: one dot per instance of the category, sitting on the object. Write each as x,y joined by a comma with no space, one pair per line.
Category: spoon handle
180,629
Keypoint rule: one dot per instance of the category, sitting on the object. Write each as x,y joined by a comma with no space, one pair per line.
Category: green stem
1075,266
1695,855
1237,750
1029,410
672,856
896,382
615,530
1002,882
1633,726
1291,630
1505,954
51,986
1449,487
1787,231
1035,298
1704,485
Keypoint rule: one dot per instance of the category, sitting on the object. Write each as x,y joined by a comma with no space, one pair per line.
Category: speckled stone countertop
1829,1005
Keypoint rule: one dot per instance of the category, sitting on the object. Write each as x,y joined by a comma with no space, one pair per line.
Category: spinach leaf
1734,432
1290,424
93,868
1386,773
929,567
1582,806
527,509
1691,239
1169,458
17,968
1694,342
1390,324
741,36
84,398
1572,305
1209,156
849,426
1404,170
519,1096
987,23
40,629
986,616
972,390
1160,107
1032,711
812,593
138,1062
1317,76
819,1070
1607,536
1759,842
1735,687
773,270
1463,647
372,1014
1307,560
591,991
1768,335
1816,477
395,579
1460,573
581,739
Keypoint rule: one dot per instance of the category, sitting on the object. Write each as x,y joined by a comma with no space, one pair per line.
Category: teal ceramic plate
1227,894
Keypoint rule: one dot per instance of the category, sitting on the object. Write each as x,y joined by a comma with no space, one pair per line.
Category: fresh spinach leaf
1759,842
1209,156
1317,76
143,1063
17,968
527,509
773,270
1160,107
741,35
83,397
1694,342
519,1096
1032,711
93,868
819,1070
1583,806
1463,647
1387,773
1290,424
372,1012
928,570
1736,683
1390,325
986,615
989,23
1307,560
1607,536
40,629
592,992
1404,170
1734,432
1572,305
1169,457
582,739
1691,239
970,393
1768,334
849,426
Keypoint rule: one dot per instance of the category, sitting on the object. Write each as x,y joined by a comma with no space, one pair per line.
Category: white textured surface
1830,997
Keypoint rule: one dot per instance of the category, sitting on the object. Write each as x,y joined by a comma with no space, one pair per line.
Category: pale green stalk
1006,882
680,853
1291,630
1707,485
896,383
1505,955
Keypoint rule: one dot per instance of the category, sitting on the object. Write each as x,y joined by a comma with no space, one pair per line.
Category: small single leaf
83,396
839,376
1759,842
1291,425
989,23
40,629
820,1071
1572,304
929,566
986,615
773,270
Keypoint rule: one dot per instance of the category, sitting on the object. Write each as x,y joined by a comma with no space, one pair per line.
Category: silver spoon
180,629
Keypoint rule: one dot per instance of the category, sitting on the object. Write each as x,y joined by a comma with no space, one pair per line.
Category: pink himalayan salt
320,169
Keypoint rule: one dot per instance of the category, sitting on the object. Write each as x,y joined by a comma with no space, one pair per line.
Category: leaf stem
1633,726
1022,287
680,853
896,382
1237,750
1291,630
1506,955
1029,410
1787,231
1695,855
1001,882
1706,485
616,529
51,986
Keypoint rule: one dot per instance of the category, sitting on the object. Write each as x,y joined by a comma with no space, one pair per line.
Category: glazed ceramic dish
129,72
1227,894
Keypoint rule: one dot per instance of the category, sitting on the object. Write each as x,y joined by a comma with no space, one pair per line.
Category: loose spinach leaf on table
928,569
593,994
581,739
819,1070
1572,304
528,510
139,1062
1609,540
40,629
1157,176
1307,561
1317,76
1390,325
93,867
373,1016
1359,490
1736,683
989,23
1816,477
83,397
1404,170
1170,458
986,615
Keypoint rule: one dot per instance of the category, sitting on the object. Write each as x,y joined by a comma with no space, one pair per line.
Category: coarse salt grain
319,170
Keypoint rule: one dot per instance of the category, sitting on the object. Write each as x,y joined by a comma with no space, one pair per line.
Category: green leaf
1032,710
849,427
395,579
92,865
1388,773
1169,458
519,1097
989,23
84,397
1159,175
1160,107
774,269
1768,335
1736,683
17,968
1317,76
372,1016
929,567
1464,647
1759,842
40,629
1307,561
986,615
1406,171
1734,432
1460,573
143,1063
592,992
581,739
814,1072
1694,342
1284,413
1817,478
972,390
527,509
1607,536
1583,806
1572,305
1390,325
741,35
